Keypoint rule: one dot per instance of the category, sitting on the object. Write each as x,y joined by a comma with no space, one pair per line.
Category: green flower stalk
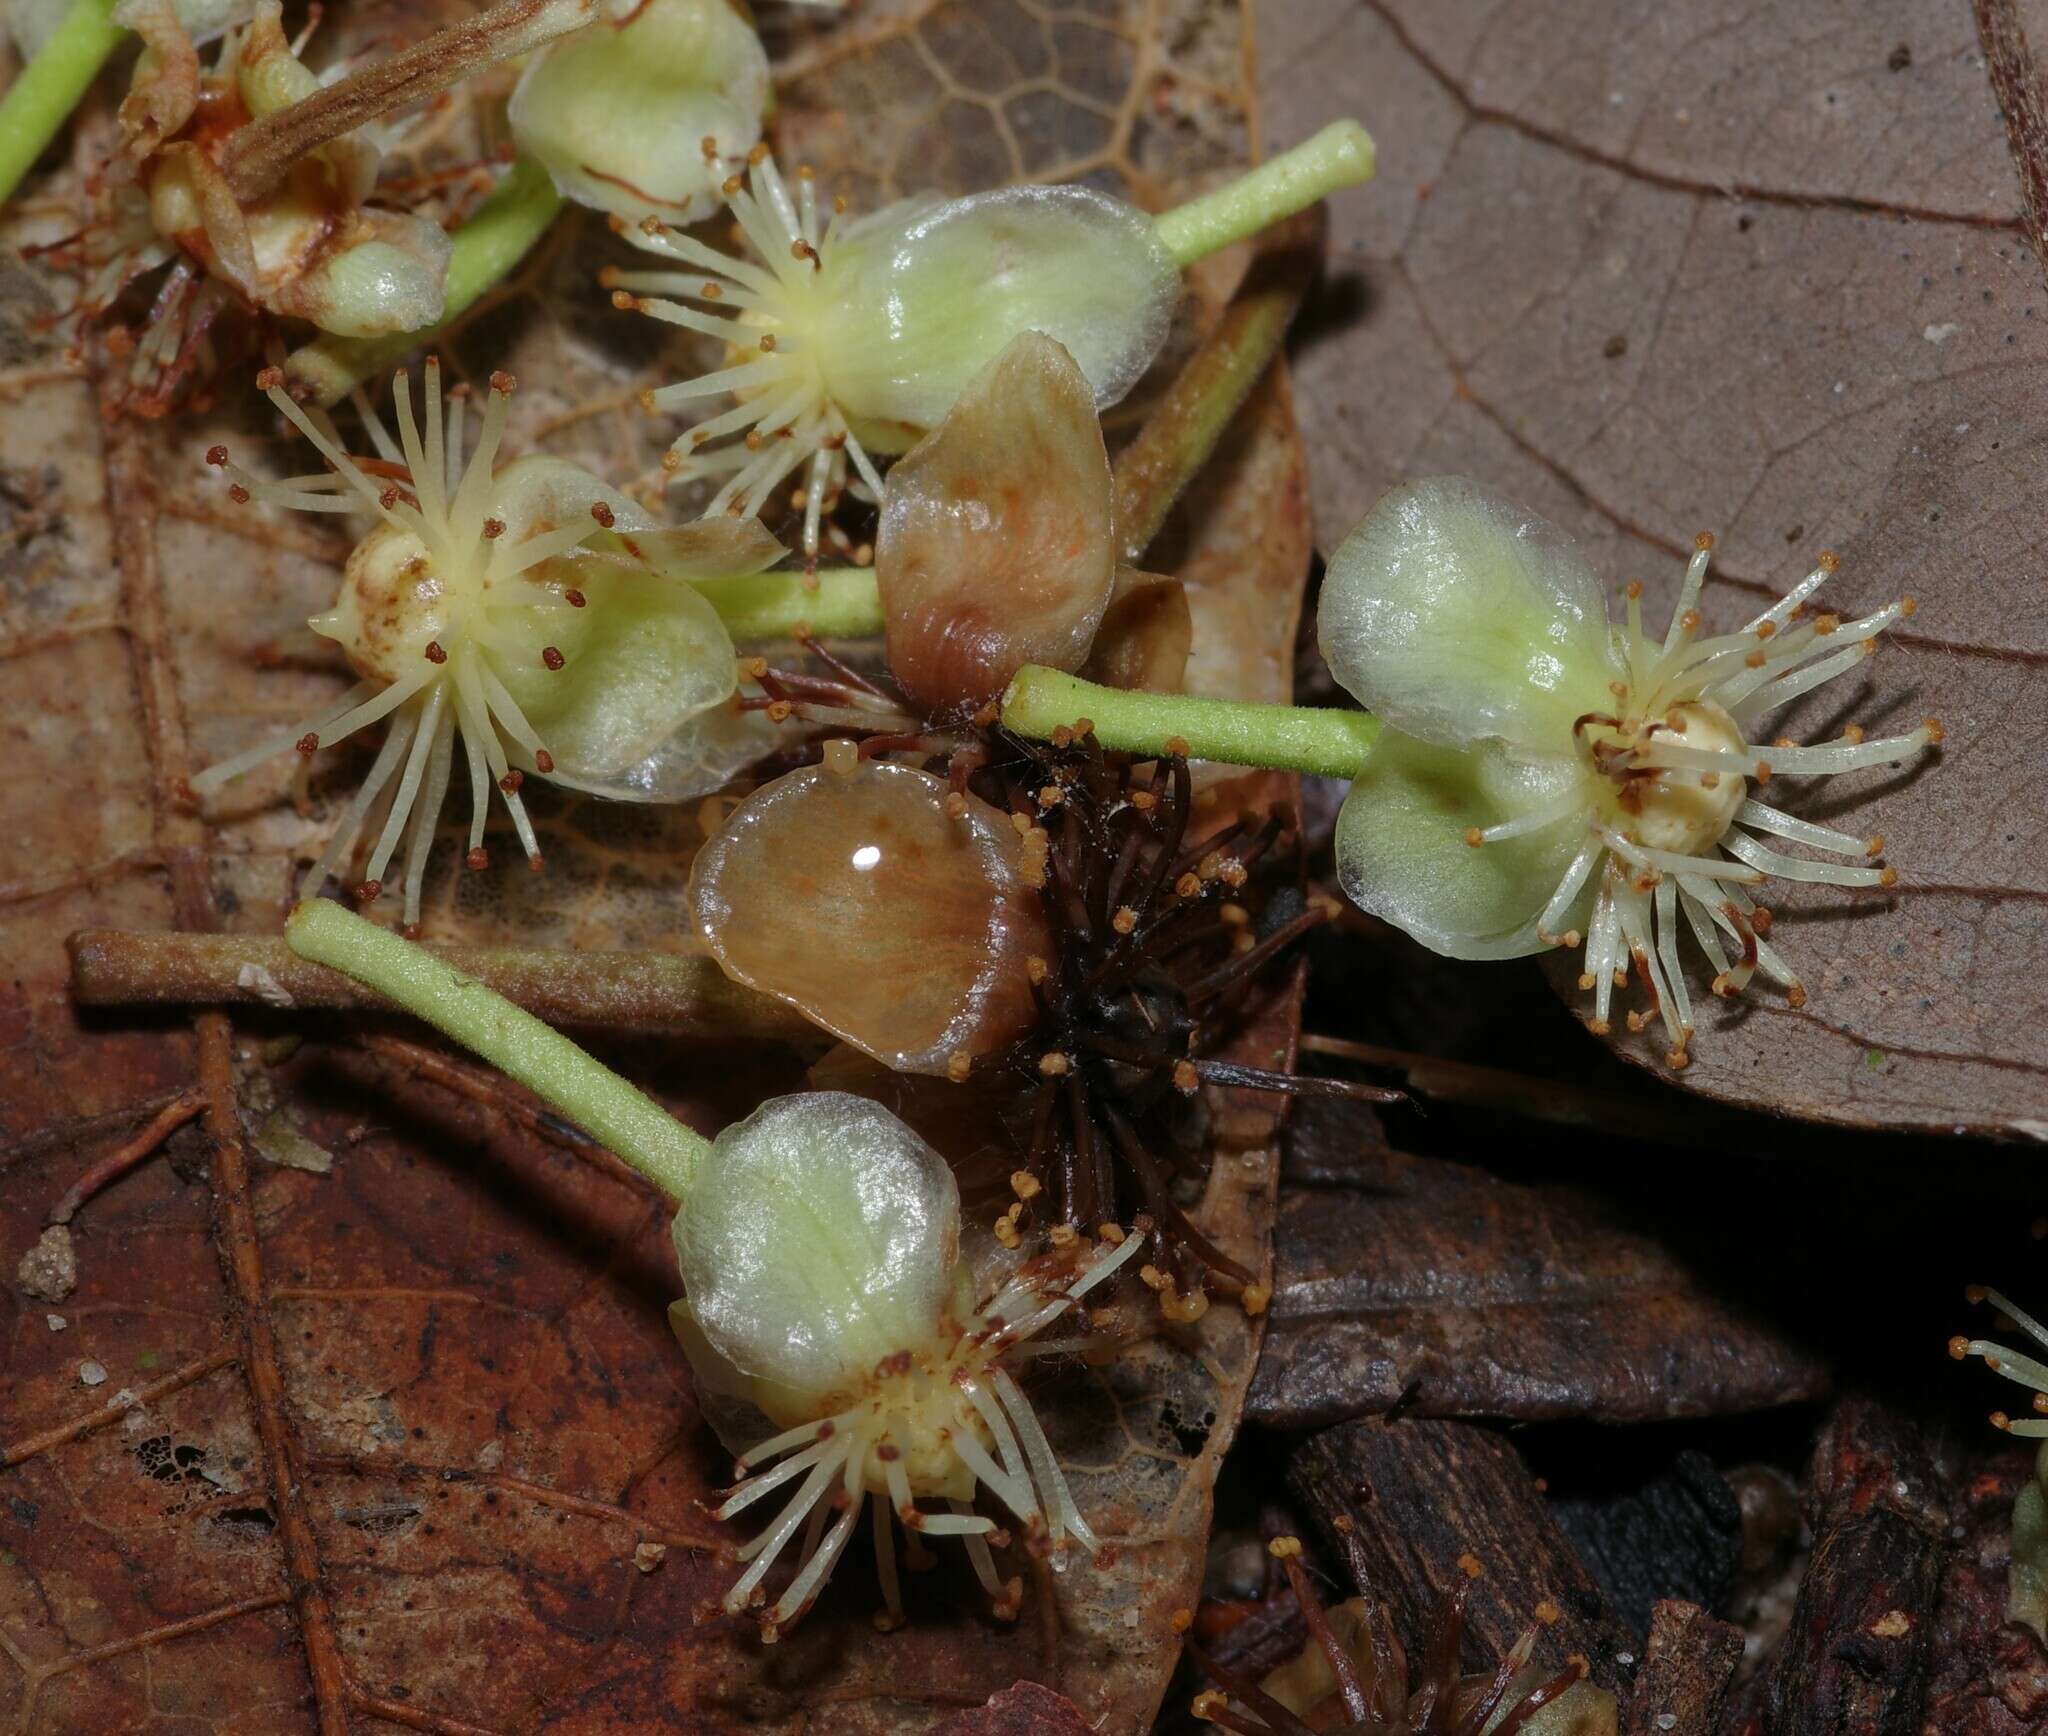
851,337
1527,775
49,86
829,1315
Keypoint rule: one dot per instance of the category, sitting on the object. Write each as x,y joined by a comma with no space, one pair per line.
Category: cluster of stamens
1669,821
784,413
2028,1371
945,1414
425,494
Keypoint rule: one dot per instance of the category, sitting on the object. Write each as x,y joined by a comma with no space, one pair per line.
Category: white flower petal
1454,615
820,1236
1402,854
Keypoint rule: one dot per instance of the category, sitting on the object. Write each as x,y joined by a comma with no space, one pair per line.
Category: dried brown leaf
1440,1289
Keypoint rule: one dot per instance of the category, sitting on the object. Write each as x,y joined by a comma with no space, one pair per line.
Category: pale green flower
829,1308
830,1315
1547,779
529,610
851,337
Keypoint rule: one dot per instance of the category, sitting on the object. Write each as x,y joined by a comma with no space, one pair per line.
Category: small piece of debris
56,1322
265,987
1940,334
1892,1625
490,1455
648,1556
91,1374
277,1139
49,1271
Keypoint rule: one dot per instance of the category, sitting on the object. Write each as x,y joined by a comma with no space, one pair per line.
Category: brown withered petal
996,547
1146,634
855,897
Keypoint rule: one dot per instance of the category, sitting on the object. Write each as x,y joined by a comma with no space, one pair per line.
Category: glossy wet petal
702,754
858,899
1455,615
1402,854
996,546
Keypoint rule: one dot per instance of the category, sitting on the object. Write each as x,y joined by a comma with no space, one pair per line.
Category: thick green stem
843,603
1284,738
1341,155
629,1123
500,234
47,89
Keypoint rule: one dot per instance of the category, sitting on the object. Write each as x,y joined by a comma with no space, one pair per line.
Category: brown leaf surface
408,1444
1442,1290
1654,269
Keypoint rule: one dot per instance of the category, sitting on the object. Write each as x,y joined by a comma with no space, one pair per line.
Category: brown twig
177,832
257,155
1184,428
2016,83
128,1155
661,993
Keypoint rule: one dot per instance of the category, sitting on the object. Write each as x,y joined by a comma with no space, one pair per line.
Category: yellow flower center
1663,807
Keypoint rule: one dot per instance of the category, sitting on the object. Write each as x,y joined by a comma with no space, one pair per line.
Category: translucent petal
1146,635
1454,615
643,656
650,656
618,113
390,278
922,296
859,900
1402,854
711,548
820,1236
996,547
700,756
